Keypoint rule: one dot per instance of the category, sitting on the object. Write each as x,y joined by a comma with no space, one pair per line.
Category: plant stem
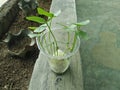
49,37
74,42
40,43
46,45
53,37
68,40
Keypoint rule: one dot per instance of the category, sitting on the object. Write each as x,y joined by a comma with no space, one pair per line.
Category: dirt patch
16,45
15,72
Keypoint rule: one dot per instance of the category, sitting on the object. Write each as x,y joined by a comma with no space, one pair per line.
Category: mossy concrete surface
8,13
101,53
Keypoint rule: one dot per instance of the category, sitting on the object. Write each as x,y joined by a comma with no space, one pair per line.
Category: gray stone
8,13
2,2
101,53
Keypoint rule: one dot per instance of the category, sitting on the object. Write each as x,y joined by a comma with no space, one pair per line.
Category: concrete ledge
8,13
43,78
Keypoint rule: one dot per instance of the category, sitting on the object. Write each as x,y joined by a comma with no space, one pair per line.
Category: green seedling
46,23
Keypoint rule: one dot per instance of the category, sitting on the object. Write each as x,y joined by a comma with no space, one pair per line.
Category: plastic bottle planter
58,55
19,44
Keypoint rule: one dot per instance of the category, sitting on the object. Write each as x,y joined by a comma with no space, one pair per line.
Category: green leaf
36,19
82,34
72,26
33,35
68,28
82,23
32,28
43,12
41,28
57,13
